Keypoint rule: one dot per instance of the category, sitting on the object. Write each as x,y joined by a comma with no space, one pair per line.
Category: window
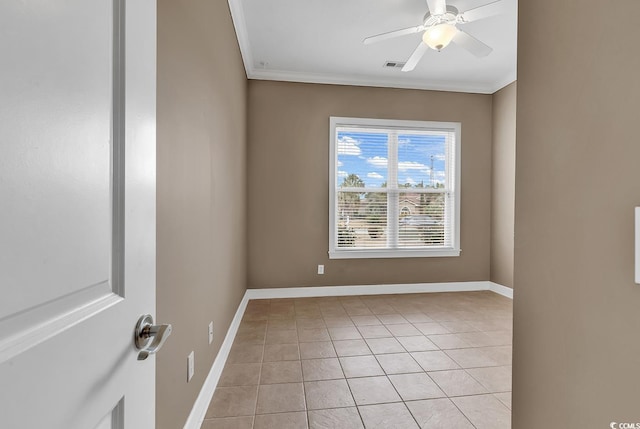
394,188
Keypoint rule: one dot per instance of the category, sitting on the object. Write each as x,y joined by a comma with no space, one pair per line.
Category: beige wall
577,330
503,179
201,193
288,183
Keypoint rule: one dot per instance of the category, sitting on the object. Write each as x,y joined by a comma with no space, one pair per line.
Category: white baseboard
318,291
199,409
501,290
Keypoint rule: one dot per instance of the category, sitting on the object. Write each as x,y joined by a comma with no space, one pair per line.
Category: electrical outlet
320,269
190,366
210,332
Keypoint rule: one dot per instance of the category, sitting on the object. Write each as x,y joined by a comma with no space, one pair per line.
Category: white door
77,212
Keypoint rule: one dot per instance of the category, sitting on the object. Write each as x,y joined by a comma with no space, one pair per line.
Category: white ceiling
320,41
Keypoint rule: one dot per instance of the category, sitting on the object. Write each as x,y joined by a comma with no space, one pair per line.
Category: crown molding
504,82
338,79
239,23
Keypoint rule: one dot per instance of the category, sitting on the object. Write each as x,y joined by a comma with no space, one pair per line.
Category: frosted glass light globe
439,36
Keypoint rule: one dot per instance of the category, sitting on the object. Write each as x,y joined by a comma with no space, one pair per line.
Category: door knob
145,332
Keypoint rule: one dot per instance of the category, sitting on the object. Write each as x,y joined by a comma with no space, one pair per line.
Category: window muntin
394,188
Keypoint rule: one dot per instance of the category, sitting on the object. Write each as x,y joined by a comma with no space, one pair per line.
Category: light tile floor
429,361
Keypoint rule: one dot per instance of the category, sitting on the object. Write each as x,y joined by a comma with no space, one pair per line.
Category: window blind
394,188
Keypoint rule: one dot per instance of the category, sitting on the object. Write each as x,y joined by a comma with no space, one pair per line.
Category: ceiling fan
440,27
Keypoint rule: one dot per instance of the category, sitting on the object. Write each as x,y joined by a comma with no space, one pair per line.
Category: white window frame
453,181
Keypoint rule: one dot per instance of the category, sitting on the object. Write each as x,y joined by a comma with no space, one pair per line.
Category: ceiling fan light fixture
439,36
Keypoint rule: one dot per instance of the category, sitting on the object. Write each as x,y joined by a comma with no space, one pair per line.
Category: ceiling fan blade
437,7
471,44
413,60
491,9
392,34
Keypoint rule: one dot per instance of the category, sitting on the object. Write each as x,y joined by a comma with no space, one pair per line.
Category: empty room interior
244,204
401,214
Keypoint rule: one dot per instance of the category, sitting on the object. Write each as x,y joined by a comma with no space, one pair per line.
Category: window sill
386,253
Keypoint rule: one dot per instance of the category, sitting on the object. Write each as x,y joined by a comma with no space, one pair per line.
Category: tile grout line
355,404
264,347
346,380
375,356
304,390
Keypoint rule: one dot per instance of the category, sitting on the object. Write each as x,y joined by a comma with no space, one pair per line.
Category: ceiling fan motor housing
449,17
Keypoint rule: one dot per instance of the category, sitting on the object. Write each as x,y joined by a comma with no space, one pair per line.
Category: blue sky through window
365,154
